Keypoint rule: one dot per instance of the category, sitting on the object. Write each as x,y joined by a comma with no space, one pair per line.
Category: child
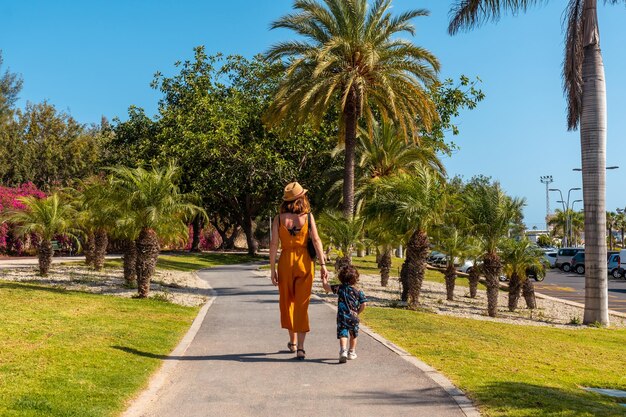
351,302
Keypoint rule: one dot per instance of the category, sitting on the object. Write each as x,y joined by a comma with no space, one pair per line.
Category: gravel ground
433,299
184,288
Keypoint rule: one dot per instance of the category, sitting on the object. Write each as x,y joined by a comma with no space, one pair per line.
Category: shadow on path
233,357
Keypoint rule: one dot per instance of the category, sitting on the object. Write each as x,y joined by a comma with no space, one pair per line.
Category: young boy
351,302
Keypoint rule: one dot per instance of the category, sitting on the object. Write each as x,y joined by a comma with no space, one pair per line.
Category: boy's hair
349,275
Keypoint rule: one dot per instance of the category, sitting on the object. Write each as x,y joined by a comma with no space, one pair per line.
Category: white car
465,267
550,257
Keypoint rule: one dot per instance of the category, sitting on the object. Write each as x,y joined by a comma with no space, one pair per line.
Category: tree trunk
350,119
248,229
44,256
130,263
515,288
412,274
147,256
528,291
593,153
101,241
492,267
384,264
474,277
90,249
197,229
450,276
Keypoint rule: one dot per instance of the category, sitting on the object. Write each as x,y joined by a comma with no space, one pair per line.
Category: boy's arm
362,307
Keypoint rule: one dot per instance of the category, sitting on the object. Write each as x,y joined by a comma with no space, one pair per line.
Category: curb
464,403
140,404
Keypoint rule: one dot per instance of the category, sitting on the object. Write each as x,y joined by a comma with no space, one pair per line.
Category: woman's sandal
301,357
291,347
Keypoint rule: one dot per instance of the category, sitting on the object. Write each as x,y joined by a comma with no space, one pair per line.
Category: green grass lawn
512,370
367,265
66,353
185,261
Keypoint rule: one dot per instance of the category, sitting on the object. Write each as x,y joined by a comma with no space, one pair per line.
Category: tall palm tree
491,215
585,89
351,59
409,204
519,257
155,210
46,218
611,224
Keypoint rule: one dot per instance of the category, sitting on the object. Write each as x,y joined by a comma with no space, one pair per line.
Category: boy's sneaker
352,354
343,356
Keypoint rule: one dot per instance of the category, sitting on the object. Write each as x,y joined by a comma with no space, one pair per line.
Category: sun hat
293,191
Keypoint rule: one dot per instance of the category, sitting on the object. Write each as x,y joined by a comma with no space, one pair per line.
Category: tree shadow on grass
31,285
233,357
523,399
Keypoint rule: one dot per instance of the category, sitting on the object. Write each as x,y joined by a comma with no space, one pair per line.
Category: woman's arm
319,249
274,250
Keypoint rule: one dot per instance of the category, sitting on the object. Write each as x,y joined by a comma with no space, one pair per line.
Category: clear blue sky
94,58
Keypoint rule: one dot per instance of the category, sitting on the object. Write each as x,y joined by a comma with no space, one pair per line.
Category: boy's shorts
346,332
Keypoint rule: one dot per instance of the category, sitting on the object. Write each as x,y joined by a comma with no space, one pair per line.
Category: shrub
9,200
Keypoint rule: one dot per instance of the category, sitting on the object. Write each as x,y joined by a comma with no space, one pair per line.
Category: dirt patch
184,288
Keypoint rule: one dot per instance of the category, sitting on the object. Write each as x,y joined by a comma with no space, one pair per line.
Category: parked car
434,256
564,258
538,273
550,258
577,264
613,266
622,263
466,267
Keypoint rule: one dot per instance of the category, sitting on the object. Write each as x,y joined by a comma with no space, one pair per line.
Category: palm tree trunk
492,267
412,274
474,277
350,119
528,291
147,255
515,288
384,264
101,241
90,249
450,276
130,263
593,153
44,255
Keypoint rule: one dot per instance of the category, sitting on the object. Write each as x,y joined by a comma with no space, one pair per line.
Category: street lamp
547,179
565,210
570,216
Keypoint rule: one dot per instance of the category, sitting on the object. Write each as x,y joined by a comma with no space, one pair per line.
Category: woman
294,278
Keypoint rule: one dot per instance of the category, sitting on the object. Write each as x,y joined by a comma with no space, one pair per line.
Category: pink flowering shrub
9,200
209,239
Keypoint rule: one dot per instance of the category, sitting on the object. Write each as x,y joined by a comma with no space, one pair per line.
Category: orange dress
295,278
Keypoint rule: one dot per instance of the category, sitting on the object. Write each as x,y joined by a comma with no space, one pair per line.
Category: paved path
571,286
238,365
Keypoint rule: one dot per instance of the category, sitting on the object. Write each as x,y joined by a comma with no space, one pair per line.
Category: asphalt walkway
238,365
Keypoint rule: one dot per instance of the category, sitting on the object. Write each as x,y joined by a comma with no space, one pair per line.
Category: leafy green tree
544,241
46,218
562,221
611,224
352,59
156,211
621,223
585,90
345,234
519,257
492,215
409,204
10,87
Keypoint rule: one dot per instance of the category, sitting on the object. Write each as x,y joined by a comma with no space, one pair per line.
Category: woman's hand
326,286
324,273
274,277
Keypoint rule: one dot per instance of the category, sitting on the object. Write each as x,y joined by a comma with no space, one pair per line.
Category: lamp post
547,180
565,211
570,216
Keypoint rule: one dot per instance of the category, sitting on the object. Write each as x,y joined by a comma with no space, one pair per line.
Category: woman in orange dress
294,276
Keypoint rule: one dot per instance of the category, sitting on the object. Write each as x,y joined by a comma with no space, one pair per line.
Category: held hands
324,276
274,277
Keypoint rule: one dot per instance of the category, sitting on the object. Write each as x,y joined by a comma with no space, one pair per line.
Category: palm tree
611,223
343,233
560,222
519,257
474,253
155,211
351,59
98,214
585,88
491,215
452,241
409,204
46,218
621,223
386,238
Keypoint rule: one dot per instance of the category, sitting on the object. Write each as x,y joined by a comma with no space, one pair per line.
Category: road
571,286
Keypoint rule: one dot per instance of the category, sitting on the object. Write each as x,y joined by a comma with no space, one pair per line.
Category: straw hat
293,191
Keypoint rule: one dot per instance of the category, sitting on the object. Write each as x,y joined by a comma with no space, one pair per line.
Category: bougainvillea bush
209,239
9,200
